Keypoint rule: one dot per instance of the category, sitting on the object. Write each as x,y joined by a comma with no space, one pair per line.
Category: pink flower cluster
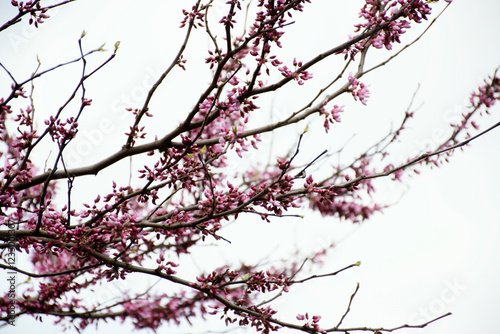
340,202
488,94
358,90
387,20
332,117
311,323
300,76
196,16
485,97
62,131
34,8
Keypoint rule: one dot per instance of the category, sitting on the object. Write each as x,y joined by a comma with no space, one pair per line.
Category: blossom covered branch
185,193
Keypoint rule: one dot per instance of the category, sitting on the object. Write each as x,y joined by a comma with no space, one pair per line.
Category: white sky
435,251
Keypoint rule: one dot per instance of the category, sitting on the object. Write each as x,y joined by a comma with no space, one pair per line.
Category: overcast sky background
434,252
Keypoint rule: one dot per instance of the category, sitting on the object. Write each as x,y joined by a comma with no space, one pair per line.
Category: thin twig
348,306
